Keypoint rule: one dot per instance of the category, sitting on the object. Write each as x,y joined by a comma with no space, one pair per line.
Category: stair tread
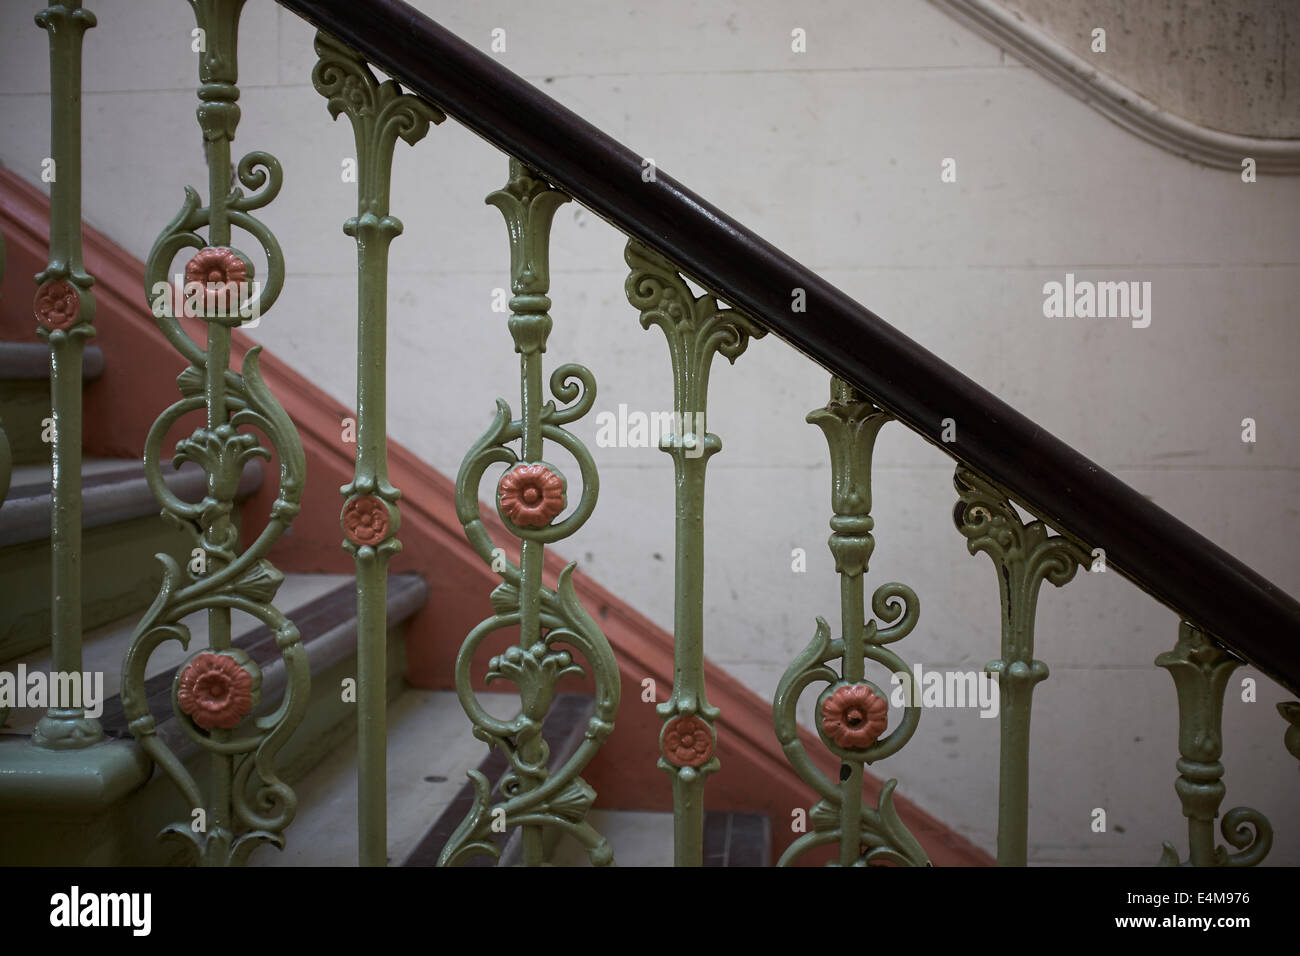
31,481
318,604
31,360
430,749
563,731
113,490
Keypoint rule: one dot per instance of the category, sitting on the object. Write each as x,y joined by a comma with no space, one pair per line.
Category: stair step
646,839
430,748
323,610
638,839
565,727
30,361
25,394
121,532
323,607
104,648
112,490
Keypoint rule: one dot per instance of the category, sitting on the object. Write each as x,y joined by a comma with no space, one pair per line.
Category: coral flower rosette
688,741
365,520
216,270
57,305
531,495
215,691
854,717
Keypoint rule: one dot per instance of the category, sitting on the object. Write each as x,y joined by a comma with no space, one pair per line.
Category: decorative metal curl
865,835
880,830
248,803
552,623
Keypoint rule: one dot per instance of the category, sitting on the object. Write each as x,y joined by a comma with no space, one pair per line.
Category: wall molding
1119,103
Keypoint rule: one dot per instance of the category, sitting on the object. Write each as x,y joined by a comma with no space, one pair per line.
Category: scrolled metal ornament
1200,669
851,714
216,691
531,499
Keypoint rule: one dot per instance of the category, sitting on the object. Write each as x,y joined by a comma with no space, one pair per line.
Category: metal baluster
65,311
852,712
696,330
531,496
379,114
217,688
1200,669
1024,555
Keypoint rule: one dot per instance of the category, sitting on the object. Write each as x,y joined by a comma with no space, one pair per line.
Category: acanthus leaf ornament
553,625
1201,669
1024,555
696,328
247,803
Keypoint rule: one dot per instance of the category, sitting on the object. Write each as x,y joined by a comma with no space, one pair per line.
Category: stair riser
24,405
120,577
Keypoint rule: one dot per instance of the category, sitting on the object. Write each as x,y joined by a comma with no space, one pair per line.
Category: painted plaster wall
1231,65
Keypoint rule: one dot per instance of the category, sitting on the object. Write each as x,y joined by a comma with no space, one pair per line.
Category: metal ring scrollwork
248,803
532,500
851,715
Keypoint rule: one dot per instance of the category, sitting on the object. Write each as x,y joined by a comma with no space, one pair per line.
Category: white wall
834,156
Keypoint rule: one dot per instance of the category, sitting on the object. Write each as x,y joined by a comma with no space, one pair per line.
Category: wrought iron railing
1230,614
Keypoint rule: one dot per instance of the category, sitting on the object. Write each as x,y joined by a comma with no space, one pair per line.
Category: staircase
426,775
123,533
443,689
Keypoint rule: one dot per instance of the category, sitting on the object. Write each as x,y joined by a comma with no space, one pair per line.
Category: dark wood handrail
1146,544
